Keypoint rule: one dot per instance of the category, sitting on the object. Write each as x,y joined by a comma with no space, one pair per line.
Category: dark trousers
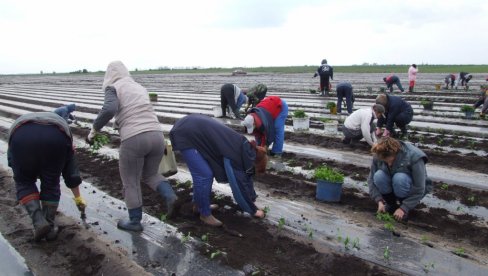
38,151
227,98
324,84
403,119
344,92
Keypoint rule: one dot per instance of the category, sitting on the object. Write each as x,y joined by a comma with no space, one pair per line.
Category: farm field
446,235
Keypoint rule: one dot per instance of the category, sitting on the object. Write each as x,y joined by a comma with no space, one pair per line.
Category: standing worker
464,78
398,174
267,122
325,72
142,142
255,95
232,96
344,90
360,124
412,77
392,79
397,112
40,145
211,149
450,79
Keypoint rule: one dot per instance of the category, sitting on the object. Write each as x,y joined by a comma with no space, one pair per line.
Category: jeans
233,176
399,184
202,176
342,92
240,101
279,125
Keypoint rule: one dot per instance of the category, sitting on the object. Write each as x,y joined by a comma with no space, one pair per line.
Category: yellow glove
80,203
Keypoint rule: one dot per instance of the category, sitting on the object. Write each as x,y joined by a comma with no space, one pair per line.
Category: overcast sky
65,35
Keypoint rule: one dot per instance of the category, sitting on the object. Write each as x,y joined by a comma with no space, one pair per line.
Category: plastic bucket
301,123
330,127
437,87
328,191
217,111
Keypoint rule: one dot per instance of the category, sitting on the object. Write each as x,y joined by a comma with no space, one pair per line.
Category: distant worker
450,79
464,78
360,124
412,77
231,96
325,72
213,150
267,122
483,100
344,90
392,79
255,95
398,178
66,112
40,145
397,112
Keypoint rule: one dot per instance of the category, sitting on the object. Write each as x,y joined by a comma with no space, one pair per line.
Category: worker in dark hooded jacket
66,112
326,73
398,174
255,95
464,78
213,150
231,96
397,112
40,145
267,122
142,141
392,79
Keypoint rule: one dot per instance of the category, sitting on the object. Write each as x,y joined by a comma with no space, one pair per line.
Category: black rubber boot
391,203
134,222
169,196
404,134
41,226
49,210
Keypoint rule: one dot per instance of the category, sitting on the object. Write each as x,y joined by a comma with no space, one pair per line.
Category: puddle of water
11,262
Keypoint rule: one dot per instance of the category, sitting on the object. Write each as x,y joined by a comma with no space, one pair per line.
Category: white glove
91,136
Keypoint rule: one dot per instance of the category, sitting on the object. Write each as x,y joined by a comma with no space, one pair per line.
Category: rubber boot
410,89
169,196
134,222
49,210
391,203
41,226
404,134
211,220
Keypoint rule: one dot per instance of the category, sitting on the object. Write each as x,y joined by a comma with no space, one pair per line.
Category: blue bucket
328,191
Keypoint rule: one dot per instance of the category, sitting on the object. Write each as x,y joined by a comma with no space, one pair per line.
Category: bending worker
360,124
231,96
211,149
40,145
255,95
392,79
66,112
344,90
267,122
397,112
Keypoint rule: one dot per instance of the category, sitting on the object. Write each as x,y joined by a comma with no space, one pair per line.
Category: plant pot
328,191
438,87
382,90
153,97
468,114
217,111
330,128
370,89
429,106
333,110
300,124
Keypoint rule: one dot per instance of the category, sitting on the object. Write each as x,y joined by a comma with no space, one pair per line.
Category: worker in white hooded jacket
142,142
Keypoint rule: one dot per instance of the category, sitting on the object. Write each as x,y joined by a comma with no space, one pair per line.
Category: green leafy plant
459,208
459,251
429,266
281,223
299,113
215,254
312,91
385,217
310,232
467,108
471,199
389,226
386,253
205,237
346,242
185,238
254,273
328,174
444,186
99,141
152,94
266,210
355,243
424,239
325,120
331,105
164,217
425,101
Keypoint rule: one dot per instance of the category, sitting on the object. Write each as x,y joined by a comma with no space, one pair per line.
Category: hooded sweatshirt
128,101
65,111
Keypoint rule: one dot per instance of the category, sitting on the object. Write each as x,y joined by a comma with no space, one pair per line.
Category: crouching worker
231,96
360,124
398,174
66,112
142,141
41,146
211,149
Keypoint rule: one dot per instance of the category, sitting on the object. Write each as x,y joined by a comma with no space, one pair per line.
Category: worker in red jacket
267,122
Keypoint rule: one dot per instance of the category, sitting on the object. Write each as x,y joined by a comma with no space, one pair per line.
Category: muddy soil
75,252
261,248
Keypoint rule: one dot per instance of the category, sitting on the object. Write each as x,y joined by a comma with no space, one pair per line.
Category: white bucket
217,111
300,124
330,128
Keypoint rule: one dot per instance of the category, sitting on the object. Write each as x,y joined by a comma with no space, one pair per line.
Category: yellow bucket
438,87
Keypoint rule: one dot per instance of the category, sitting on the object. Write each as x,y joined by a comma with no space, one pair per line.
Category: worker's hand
381,207
80,203
259,214
399,214
91,136
386,133
378,131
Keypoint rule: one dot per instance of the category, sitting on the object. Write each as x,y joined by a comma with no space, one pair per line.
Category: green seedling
459,208
99,141
440,141
164,217
215,254
389,226
266,210
219,196
310,232
386,253
385,217
205,237
459,251
355,243
281,223
339,236
471,199
299,113
309,165
444,186
185,238
429,266
346,243
424,239
257,272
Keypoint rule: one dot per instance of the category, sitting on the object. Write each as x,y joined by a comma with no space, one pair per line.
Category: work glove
386,133
80,203
91,136
378,131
